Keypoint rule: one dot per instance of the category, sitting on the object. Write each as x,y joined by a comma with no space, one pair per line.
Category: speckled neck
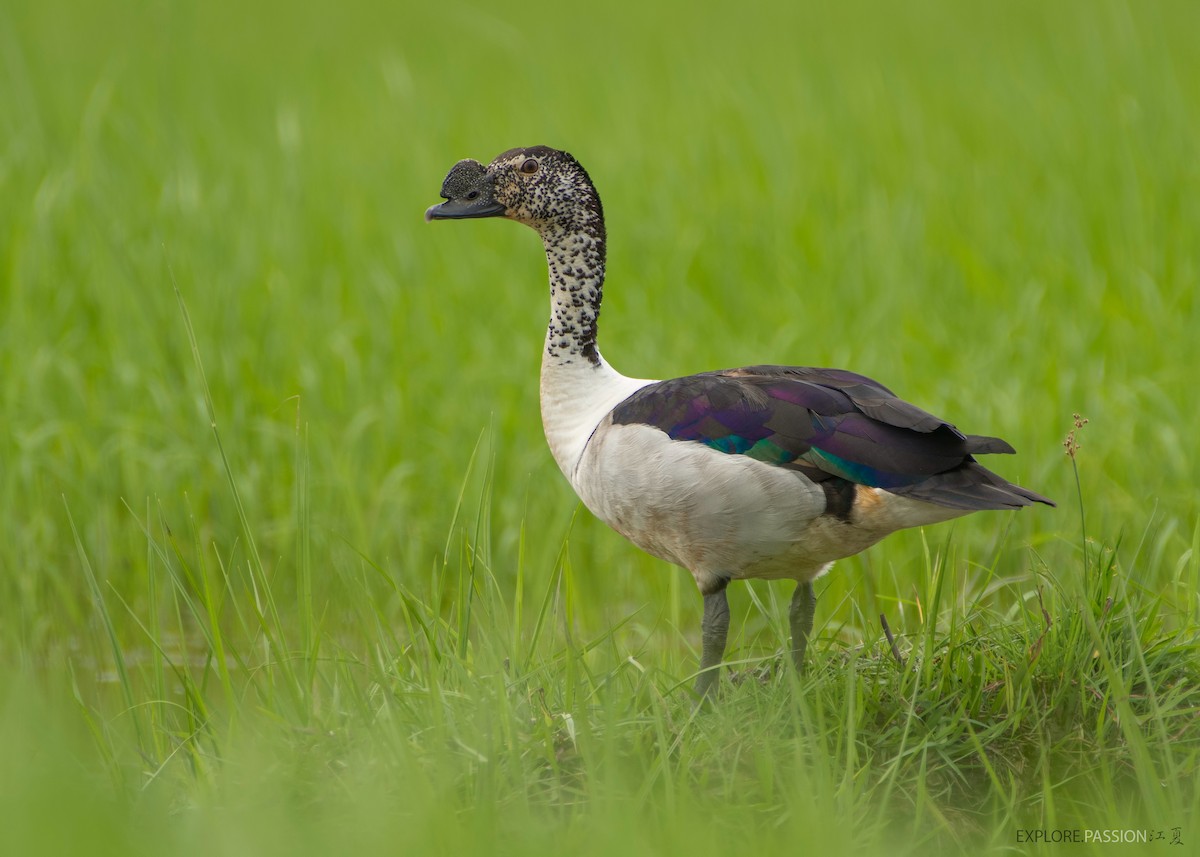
578,388
575,255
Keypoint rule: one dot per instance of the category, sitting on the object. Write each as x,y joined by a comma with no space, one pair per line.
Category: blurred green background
991,208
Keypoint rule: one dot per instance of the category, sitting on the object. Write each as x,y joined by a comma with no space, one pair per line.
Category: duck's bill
461,209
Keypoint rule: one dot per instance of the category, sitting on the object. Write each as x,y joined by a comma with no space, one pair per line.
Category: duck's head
538,186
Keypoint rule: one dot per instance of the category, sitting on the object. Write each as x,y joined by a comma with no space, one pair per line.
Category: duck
758,472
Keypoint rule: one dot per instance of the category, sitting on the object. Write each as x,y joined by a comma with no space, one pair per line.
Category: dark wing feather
827,423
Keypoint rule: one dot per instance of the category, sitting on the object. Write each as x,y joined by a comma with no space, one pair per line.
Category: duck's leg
804,605
714,628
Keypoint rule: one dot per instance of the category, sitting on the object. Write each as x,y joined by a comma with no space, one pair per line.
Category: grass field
286,567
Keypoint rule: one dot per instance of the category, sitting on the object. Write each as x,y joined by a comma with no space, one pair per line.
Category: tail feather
973,487
978,444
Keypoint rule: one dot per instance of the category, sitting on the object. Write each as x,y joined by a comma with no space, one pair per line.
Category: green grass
286,565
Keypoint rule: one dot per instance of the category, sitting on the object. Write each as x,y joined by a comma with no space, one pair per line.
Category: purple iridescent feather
828,424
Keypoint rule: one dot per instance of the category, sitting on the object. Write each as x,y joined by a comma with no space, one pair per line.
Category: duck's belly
717,515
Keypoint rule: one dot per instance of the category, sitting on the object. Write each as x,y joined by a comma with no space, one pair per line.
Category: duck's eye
473,195
530,166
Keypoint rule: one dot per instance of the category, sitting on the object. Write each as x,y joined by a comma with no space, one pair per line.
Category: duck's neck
578,387
575,256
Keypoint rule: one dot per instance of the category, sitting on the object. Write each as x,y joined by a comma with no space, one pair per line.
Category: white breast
575,397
